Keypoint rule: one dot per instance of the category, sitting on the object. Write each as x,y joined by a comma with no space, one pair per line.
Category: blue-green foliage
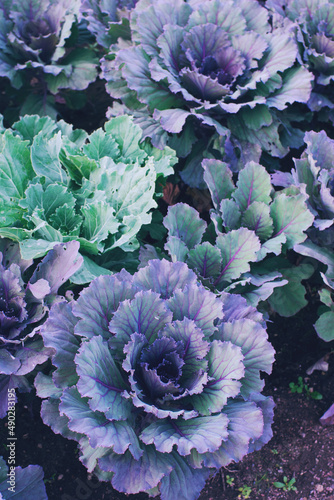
254,228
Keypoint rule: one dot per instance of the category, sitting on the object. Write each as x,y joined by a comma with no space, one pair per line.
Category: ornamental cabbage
198,67
314,174
158,379
23,306
313,21
244,249
58,185
43,49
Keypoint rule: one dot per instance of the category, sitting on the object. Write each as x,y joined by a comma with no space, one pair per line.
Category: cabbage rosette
23,306
158,379
43,49
313,21
197,67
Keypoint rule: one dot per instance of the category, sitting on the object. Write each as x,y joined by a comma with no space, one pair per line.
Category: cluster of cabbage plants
157,374
157,379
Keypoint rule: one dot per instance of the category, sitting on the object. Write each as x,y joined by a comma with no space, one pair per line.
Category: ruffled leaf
119,436
58,333
163,277
146,314
101,380
258,353
225,369
131,475
201,433
183,222
253,185
196,303
238,248
97,304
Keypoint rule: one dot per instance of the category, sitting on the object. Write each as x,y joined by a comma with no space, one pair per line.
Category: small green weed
286,485
300,387
229,480
245,492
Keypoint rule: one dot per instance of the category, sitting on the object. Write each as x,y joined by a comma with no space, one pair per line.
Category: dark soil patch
301,448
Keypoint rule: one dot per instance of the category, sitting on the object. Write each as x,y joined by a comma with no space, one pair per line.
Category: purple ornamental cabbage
313,21
158,379
197,67
37,55
23,306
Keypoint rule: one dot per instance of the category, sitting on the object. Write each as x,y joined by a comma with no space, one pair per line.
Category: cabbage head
158,379
24,305
313,21
43,49
195,68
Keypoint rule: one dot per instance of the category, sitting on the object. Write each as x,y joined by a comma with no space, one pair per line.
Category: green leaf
128,137
29,126
100,145
34,248
238,248
78,166
205,260
257,217
324,326
88,272
66,220
183,222
253,184
129,188
45,158
47,201
326,298
291,217
230,213
218,177
15,167
99,221
79,69
289,299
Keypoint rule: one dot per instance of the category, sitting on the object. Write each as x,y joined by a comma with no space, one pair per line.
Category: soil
301,448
